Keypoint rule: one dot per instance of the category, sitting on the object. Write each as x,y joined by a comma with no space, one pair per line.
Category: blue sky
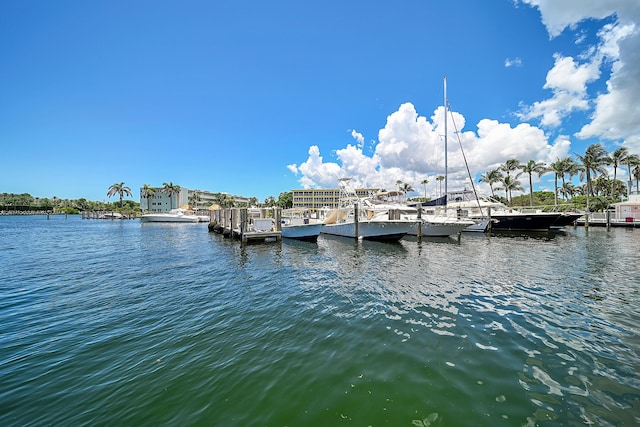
257,98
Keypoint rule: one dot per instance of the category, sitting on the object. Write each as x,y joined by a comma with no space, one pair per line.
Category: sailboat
490,214
437,219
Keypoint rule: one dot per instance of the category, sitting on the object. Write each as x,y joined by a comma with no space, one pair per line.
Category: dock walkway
248,224
607,219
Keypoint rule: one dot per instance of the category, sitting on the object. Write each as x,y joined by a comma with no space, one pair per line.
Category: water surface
122,323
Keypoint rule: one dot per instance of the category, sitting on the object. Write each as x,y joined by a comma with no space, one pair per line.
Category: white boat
427,225
298,224
111,215
174,215
357,219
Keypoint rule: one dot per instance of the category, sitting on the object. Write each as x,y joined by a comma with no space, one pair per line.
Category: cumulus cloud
358,137
411,149
615,112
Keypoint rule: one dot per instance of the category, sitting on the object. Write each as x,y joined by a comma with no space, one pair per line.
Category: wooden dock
248,224
108,215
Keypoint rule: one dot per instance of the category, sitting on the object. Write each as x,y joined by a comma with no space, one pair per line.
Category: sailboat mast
445,138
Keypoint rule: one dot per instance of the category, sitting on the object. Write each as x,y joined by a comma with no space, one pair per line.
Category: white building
196,199
160,201
628,211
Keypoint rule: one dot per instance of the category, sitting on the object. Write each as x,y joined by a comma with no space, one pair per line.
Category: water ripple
114,322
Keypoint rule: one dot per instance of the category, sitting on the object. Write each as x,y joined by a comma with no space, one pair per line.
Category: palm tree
510,184
636,175
171,189
440,179
593,160
195,199
530,168
148,192
568,167
632,160
617,158
568,190
425,182
511,165
558,168
120,189
406,188
491,177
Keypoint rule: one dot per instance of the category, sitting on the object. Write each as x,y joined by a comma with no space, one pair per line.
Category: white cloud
615,114
617,111
358,137
513,62
316,173
411,149
568,81
557,15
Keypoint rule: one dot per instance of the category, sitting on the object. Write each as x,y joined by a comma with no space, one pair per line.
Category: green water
122,323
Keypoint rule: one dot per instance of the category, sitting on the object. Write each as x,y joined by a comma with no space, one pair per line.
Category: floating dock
248,224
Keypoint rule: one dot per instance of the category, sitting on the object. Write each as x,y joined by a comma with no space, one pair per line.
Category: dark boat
522,221
566,218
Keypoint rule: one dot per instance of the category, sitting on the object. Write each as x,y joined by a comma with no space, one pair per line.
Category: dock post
420,222
277,214
608,220
489,217
243,225
355,220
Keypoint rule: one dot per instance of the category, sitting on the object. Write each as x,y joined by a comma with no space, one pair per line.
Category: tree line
590,167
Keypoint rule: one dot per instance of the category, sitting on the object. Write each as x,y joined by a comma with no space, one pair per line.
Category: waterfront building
628,211
196,199
317,198
161,201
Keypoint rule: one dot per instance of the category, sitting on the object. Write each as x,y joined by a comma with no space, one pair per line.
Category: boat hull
440,228
523,222
388,231
304,232
168,218
566,218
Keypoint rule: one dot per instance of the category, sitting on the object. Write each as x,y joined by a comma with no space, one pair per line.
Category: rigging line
455,127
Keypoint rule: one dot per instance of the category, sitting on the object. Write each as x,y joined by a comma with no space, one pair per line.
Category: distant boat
297,224
357,219
174,215
111,215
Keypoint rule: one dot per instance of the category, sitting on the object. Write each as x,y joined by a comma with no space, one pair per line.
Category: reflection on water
120,323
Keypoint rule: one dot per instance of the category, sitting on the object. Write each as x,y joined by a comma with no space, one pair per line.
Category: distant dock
608,219
248,224
108,215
